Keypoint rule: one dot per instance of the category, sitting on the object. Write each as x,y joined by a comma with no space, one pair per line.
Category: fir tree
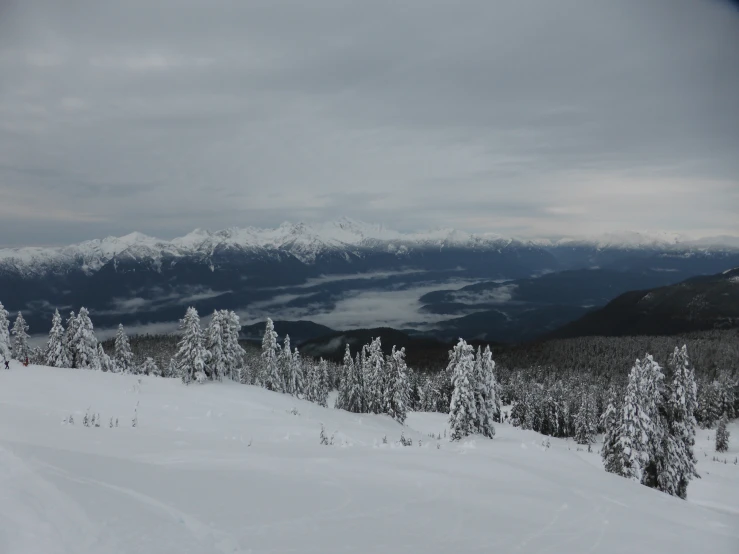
122,355
105,362
69,334
462,413
722,434
585,421
271,379
56,353
297,379
487,407
149,367
322,384
84,343
233,352
191,356
611,453
375,376
20,338
214,344
4,334
285,365
396,393
350,393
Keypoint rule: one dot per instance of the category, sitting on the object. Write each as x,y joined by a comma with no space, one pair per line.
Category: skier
25,364
7,364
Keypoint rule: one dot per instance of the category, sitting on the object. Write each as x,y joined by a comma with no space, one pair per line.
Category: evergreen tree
585,421
285,365
56,353
4,334
462,413
396,394
20,338
149,367
322,384
191,357
612,453
69,339
676,462
172,370
106,363
375,376
233,352
350,393
487,406
84,343
271,378
722,434
297,379
122,354
216,366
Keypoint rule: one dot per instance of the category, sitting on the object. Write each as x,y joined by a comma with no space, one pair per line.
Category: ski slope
227,468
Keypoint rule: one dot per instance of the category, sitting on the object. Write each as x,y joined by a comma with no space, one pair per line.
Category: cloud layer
523,117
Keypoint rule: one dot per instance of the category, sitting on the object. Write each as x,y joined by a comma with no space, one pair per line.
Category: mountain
299,331
294,270
697,304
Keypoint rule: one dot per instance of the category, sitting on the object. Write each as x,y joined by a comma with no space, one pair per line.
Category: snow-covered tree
350,393
487,407
285,365
585,421
296,378
56,353
69,334
611,452
122,355
191,357
396,393
323,384
20,338
105,361
4,334
149,367
462,413
676,460
214,344
232,350
722,434
374,377
84,343
271,378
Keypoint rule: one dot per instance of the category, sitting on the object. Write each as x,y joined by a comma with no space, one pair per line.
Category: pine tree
636,427
271,379
722,434
487,406
214,344
106,363
233,352
4,334
322,384
122,355
149,367
462,413
20,338
56,353
585,421
612,453
375,374
69,339
350,394
676,462
191,356
396,394
297,378
285,365
84,343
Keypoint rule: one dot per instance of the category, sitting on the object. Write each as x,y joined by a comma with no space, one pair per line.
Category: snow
307,242
224,467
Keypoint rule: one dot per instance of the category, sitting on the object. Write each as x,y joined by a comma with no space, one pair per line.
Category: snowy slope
226,468
306,243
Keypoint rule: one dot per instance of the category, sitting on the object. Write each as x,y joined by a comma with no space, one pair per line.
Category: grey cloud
510,116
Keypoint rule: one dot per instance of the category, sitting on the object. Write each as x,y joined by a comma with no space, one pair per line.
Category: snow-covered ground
228,468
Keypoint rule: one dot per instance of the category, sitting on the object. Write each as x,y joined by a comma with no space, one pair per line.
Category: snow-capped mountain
307,243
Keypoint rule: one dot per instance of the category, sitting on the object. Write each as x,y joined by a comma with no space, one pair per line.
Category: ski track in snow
187,481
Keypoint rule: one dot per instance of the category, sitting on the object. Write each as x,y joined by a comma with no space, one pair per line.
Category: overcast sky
523,117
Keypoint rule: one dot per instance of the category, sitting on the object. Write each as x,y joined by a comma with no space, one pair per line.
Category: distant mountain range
298,268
